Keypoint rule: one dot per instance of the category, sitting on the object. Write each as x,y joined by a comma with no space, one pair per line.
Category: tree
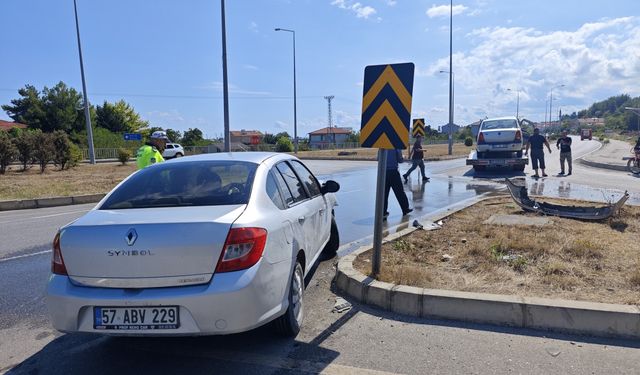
192,137
29,109
119,117
43,149
8,151
174,135
24,143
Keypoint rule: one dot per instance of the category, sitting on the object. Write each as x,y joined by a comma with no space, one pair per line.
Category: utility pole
225,82
332,137
87,115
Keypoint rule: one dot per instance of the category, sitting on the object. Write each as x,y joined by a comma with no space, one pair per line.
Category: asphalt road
362,340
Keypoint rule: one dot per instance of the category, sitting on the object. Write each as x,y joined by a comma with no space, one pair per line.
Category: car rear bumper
232,302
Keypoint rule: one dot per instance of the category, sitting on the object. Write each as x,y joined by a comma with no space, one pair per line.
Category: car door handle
301,219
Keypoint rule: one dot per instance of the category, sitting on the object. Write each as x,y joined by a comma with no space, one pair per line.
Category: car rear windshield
499,124
198,183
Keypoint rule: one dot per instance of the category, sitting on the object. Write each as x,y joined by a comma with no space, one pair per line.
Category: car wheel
179,155
289,324
331,248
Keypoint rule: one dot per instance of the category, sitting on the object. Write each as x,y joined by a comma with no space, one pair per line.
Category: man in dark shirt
393,181
536,142
417,160
564,144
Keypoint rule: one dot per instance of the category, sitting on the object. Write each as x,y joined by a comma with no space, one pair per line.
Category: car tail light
481,138
518,135
242,249
57,263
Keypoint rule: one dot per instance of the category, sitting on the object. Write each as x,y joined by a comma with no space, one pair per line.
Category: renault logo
131,237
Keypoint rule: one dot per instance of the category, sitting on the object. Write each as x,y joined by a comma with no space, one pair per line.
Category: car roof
246,156
500,118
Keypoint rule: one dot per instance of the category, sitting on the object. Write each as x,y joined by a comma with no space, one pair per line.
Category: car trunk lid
144,248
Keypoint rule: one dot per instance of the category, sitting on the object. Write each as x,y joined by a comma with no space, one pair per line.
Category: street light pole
225,82
451,77
551,102
295,112
517,102
87,115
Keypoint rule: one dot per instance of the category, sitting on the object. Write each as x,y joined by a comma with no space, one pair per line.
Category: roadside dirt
567,259
83,179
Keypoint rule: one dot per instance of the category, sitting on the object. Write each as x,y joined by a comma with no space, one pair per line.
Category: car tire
331,248
179,155
289,324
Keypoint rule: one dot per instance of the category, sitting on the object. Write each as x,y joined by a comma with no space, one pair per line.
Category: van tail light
518,135
242,249
57,263
480,138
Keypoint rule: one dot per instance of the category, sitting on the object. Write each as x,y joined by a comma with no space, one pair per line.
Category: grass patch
569,259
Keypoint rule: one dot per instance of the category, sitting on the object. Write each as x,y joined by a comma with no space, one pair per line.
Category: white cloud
360,10
444,10
597,60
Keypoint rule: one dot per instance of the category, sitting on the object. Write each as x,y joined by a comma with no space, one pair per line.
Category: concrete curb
595,164
596,319
49,202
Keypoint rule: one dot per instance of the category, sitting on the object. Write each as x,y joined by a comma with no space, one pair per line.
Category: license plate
136,318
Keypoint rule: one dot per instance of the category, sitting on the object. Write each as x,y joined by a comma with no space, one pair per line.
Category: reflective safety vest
148,155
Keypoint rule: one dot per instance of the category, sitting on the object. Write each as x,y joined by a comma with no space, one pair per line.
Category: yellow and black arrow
386,106
418,127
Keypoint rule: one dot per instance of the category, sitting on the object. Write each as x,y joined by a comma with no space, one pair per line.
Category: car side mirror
329,187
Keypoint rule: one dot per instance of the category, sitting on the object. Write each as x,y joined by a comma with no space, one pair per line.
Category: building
328,136
8,125
247,137
444,129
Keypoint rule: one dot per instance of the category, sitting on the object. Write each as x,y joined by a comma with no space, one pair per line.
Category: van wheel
331,248
289,324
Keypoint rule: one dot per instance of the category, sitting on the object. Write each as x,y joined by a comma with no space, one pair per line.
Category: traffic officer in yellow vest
151,152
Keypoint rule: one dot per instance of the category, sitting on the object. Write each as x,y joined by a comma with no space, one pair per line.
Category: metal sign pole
377,227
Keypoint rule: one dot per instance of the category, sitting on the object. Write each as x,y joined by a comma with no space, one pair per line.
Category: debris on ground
342,305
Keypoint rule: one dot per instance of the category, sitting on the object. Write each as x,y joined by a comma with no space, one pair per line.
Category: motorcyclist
151,152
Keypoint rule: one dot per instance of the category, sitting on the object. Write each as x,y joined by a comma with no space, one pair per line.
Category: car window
295,185
284,189
499,124
307,178
202,183
273,192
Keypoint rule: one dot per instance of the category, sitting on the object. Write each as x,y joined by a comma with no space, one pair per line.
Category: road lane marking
24,256
42,217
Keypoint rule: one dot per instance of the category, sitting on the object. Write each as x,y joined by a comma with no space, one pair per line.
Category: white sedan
202,245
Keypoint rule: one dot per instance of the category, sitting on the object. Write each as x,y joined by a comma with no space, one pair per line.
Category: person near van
536,142
564,145
417,160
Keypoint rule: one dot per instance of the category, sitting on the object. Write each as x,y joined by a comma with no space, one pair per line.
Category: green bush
43,149
8,151
24,141
468,141
284,144
124,155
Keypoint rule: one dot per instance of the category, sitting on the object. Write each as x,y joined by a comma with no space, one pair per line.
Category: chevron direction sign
418,127
386,106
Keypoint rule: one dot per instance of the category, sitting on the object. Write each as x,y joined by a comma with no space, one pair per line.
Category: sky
164,57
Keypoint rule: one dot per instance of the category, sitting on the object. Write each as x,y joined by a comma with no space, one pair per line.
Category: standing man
151,152
417,160
536,142
393,181
564,144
